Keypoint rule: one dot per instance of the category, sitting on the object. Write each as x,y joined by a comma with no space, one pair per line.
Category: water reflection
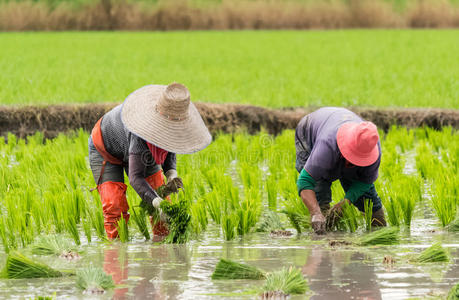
340,274
116,264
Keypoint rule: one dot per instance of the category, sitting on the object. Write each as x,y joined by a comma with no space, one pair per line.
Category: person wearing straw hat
334,143
142,137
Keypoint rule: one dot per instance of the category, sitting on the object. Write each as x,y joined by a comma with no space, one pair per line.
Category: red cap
358,143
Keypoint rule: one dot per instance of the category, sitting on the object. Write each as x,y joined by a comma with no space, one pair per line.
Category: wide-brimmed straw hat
165,117
358,143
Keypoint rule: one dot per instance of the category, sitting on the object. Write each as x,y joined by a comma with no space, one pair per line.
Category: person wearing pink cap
334,143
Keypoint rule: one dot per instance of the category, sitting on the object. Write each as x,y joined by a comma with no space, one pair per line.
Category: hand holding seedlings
174,183
157,205
335,214
318,223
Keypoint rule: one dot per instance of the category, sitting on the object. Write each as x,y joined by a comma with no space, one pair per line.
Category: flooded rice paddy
144,270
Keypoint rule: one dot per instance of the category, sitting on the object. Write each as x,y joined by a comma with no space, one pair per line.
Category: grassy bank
369,68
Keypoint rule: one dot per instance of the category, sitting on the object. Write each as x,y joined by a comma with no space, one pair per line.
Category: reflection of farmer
142,136
334,143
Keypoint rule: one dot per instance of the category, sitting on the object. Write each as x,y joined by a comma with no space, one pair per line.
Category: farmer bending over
141,137
334,143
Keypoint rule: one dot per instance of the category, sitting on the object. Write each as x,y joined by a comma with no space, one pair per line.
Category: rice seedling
294,208
454,225
287,280
140,219
214,202
123,230
18,266
368,208
384,236
249,210
45,297
443,199
178,220
453,293
199,216
73,229
229,225
96,218
349,218
270,222
56,245
435,253
228,269
271,189
299,222
391,205
93,280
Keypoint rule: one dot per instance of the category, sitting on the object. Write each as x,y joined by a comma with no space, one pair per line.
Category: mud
336,243
281,233
227,118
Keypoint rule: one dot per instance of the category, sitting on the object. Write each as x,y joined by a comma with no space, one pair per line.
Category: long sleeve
170,162
305,181
137,178
356,190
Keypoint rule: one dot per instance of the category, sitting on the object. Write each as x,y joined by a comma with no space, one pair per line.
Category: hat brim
344,140
140,116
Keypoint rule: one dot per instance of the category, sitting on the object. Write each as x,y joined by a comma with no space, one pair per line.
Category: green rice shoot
435,253
19,266
53,245
179,221
368,208
123,230
94,279
228,269
454,225
287,280
454,293
384,236
270,222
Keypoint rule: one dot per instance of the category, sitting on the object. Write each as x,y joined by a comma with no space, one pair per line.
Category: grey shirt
317,148
133,151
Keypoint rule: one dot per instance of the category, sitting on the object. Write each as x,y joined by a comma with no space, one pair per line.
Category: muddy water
144,270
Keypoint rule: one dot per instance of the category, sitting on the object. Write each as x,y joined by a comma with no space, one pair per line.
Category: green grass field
407,68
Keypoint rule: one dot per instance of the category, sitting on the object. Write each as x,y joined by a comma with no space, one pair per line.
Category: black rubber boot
379,220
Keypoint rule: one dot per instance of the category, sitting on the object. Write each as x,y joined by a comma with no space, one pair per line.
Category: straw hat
358,143
165,117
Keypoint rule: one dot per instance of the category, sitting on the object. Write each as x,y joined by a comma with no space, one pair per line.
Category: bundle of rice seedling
93,280
270,222
454,293
288,281
298,221
454,225
384,236
55,245
18,266
178,221
435,253
228,269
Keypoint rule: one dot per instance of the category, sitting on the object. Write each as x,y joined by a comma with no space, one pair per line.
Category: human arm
139,183
306,186
174,183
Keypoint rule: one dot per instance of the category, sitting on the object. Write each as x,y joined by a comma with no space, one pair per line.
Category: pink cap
358,143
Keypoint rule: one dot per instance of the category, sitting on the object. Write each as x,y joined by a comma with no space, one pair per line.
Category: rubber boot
114,204
379,220
160,228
